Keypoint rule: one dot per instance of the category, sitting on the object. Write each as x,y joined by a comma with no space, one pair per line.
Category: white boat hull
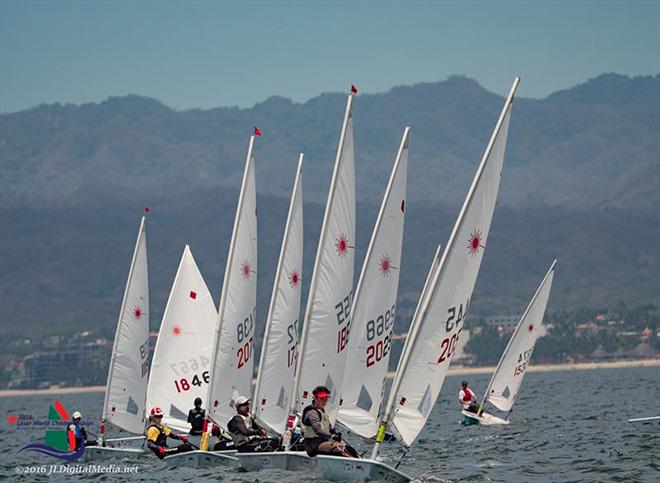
202,459
281,460
485,419
647,425
96,453
336,468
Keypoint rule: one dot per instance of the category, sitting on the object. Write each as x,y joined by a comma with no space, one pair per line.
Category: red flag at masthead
147,209
353,89
257,131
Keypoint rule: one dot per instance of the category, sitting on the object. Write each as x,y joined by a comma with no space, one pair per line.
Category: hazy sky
206,54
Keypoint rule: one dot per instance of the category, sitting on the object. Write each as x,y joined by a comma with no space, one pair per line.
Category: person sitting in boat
76,434
247,435
467,398
196,417
319,435
157,434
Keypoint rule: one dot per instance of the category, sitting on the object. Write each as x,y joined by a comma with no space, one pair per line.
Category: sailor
196,417
319,435
467,398
157,434
247,435
76,434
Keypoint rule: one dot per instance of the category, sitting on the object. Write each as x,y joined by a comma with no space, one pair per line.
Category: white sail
374,308
233,361
432,341
126,390
181,365
327,315
505,383
272,394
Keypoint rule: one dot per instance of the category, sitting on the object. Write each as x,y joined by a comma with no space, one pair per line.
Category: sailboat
321,350
274,387
436,327
180,368
647,425
374,308
504,385
125,393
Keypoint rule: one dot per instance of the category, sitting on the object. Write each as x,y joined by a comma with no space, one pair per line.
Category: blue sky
207,54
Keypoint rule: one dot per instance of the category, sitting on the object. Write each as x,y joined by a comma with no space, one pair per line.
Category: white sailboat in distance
126,389
504,385
434,331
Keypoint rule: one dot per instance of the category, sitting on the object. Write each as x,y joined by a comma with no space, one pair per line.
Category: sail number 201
244,332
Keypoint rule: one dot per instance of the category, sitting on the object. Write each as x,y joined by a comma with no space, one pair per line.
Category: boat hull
202,459
281,460
484,419
647,425
99,453
336,468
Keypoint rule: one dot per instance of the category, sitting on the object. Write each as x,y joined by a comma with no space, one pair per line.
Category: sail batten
374,308
272,394
232,354
435,332
125,395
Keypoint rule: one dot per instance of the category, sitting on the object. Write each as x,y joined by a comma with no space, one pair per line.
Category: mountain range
581,183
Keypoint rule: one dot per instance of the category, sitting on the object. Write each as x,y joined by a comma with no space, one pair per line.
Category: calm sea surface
566,426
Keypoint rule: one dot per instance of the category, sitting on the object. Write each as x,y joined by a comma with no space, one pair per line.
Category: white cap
240,400
76,415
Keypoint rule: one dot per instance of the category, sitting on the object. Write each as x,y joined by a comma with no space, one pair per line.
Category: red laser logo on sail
341,244
246,270
474,242
294,278
176,330
137,313
530,327
385,265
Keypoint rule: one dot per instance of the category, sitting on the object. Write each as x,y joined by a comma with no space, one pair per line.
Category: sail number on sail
454,319
523,361
144,355
292,332
189,368
376,328
244,333
344,320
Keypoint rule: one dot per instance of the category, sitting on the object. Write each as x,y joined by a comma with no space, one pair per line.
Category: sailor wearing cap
247,435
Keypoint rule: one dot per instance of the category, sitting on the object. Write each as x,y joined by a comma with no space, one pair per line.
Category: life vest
160,439
308,430
467,395
240,438
76,436
196,419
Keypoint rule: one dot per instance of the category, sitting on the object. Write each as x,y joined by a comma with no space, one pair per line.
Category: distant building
503,323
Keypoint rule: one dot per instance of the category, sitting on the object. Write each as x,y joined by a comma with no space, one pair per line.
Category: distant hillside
580,183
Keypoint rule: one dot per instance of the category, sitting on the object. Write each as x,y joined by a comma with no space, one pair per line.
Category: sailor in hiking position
76,434
247,435
196,417
319,435
157,434
467,398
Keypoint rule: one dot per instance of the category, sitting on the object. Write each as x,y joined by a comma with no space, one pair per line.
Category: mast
403,363
482,405
141,230
278,273
310,298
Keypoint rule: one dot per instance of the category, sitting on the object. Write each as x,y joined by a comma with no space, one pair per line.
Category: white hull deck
336,468
281,460
485,419
202,459
647,425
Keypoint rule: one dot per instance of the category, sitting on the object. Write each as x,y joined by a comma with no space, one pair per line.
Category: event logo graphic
58,442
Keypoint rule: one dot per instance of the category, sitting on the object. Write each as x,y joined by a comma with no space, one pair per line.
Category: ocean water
566,426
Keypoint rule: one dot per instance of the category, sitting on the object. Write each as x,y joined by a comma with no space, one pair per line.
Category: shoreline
453,371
